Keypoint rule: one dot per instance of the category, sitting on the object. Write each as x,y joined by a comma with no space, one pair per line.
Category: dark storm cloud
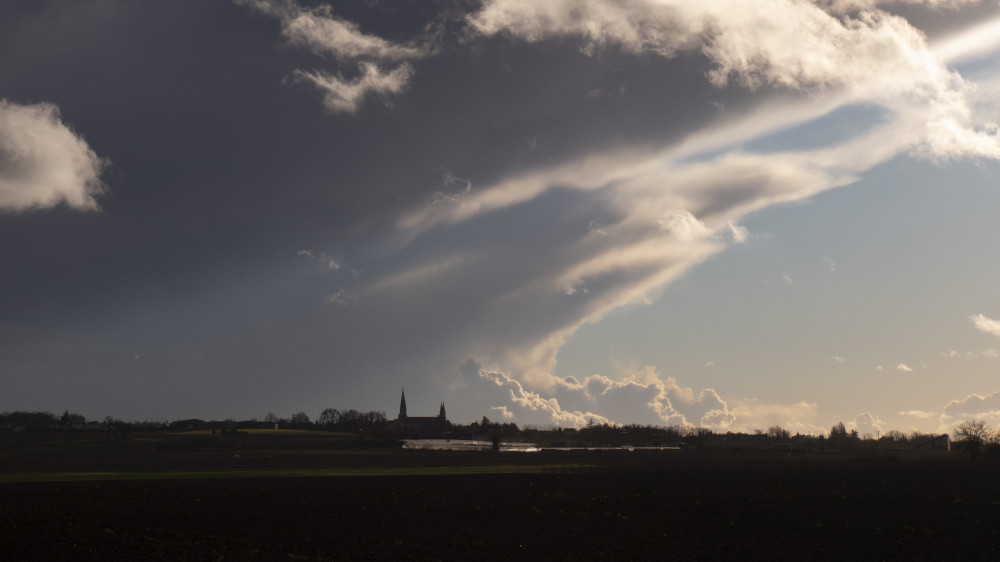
223,172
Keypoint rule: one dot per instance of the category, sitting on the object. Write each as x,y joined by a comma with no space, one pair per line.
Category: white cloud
830,264
839,359
986,325
866,424
342,298
642,395
43,163
505,414
739,234
919,414
320,31
449,179
991,353
575,287
904,367
549,408
779,43
345,96
772,41
683,225
636,395
753,414
321,259
984,407
844,6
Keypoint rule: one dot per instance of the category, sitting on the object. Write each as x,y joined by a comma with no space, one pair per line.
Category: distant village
376,426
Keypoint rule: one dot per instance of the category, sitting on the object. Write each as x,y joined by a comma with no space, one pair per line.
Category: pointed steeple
441,412
402,406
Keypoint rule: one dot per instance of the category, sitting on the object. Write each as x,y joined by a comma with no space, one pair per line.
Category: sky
726,214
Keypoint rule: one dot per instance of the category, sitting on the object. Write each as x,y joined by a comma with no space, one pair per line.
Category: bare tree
778,433
894,435
329,417
972,436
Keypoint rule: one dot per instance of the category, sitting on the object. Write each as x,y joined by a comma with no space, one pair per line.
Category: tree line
333,419
973,437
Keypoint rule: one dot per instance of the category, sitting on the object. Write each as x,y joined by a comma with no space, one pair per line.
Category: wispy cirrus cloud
321,32
43,162
347,95
321,259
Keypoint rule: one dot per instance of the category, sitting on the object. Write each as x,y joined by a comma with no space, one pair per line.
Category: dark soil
630,506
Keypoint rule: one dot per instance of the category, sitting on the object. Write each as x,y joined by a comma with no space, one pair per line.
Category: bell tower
402,406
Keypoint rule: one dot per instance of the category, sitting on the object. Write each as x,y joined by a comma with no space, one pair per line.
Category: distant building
428,424
938,443
191,424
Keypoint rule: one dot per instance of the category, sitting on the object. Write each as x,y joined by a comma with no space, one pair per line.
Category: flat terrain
377,502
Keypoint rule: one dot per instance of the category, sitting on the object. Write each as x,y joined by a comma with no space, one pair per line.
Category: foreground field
574,506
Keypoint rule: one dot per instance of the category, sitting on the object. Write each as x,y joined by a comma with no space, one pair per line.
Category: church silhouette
427,423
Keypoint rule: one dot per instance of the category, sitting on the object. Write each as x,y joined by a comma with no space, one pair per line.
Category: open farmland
380,502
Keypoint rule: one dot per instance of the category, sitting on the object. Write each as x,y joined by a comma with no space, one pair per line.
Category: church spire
441,413
402,405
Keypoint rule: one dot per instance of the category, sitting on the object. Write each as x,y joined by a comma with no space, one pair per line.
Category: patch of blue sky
837,126
840,125
979,68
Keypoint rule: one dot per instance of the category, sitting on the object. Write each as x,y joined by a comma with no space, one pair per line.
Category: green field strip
288,473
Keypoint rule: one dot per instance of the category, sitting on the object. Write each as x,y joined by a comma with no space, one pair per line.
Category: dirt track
630,507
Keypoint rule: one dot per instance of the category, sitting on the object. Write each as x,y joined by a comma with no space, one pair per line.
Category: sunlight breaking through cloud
672,211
